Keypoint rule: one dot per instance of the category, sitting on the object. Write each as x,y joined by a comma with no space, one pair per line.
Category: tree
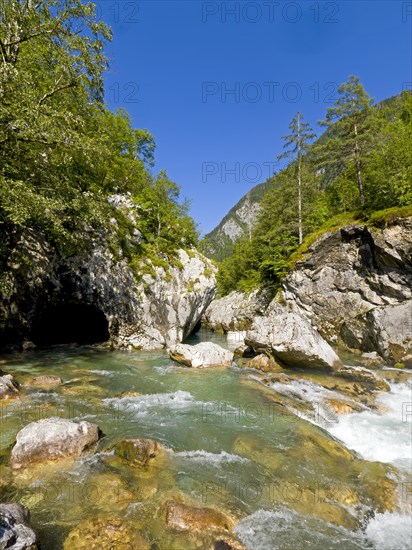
297,143
352,133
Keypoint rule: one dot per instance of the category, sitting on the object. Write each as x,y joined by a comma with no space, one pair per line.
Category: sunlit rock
51,439
15,531
205,354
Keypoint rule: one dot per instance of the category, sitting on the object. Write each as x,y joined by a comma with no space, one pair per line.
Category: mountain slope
218,244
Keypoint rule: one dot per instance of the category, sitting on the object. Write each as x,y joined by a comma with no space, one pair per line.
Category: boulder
138,451
236,311
8,387
188,518
51,439
265,363
292,340
205,354
15,531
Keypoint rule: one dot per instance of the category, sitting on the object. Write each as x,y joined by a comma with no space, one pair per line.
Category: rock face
51,439
15,531
355,285
235,311
292,340
205,354
147,307
8,388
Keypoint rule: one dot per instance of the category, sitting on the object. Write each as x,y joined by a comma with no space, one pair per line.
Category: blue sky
217,83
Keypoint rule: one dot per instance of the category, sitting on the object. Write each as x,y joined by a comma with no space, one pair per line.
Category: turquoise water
232,445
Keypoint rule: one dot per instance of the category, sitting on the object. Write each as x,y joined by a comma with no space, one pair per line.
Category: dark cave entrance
70,324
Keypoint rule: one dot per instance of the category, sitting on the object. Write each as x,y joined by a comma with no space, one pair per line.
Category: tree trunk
299,187
358,167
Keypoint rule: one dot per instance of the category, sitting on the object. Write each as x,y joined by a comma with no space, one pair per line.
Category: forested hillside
62,152
218,244
360,166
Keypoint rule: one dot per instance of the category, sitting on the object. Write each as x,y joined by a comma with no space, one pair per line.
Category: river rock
205,354
365,376
355,285
15,531
292,340
188,518
138,451
265,363
236,311
8,387
44,381
98,533
51,439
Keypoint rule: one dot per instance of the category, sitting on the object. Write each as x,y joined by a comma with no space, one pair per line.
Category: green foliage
62,152
331,194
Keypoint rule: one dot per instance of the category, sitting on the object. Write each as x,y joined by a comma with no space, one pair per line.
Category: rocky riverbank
100,296
353,285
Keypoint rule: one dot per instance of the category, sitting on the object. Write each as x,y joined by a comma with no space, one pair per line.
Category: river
288,479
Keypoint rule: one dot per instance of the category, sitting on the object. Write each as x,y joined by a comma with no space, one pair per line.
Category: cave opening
70,324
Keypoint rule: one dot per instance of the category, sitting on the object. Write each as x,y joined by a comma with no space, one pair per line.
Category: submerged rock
366,376
15,531
45,380
8,387
291,339
188,518
105,532
138,451
205,354
51,439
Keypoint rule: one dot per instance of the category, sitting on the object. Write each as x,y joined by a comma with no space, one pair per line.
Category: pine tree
297,143
353,132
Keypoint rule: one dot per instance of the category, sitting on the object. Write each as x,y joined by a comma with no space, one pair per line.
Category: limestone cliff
47,298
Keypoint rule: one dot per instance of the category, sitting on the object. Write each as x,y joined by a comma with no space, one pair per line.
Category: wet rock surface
205,354
51,439
15,530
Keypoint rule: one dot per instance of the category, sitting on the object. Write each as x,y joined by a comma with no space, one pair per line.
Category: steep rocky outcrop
355,286
235,311
144,307
239,221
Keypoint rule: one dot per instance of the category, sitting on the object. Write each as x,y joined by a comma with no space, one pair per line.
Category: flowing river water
292,481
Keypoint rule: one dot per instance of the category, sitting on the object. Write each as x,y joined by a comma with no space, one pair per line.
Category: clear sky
217,83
